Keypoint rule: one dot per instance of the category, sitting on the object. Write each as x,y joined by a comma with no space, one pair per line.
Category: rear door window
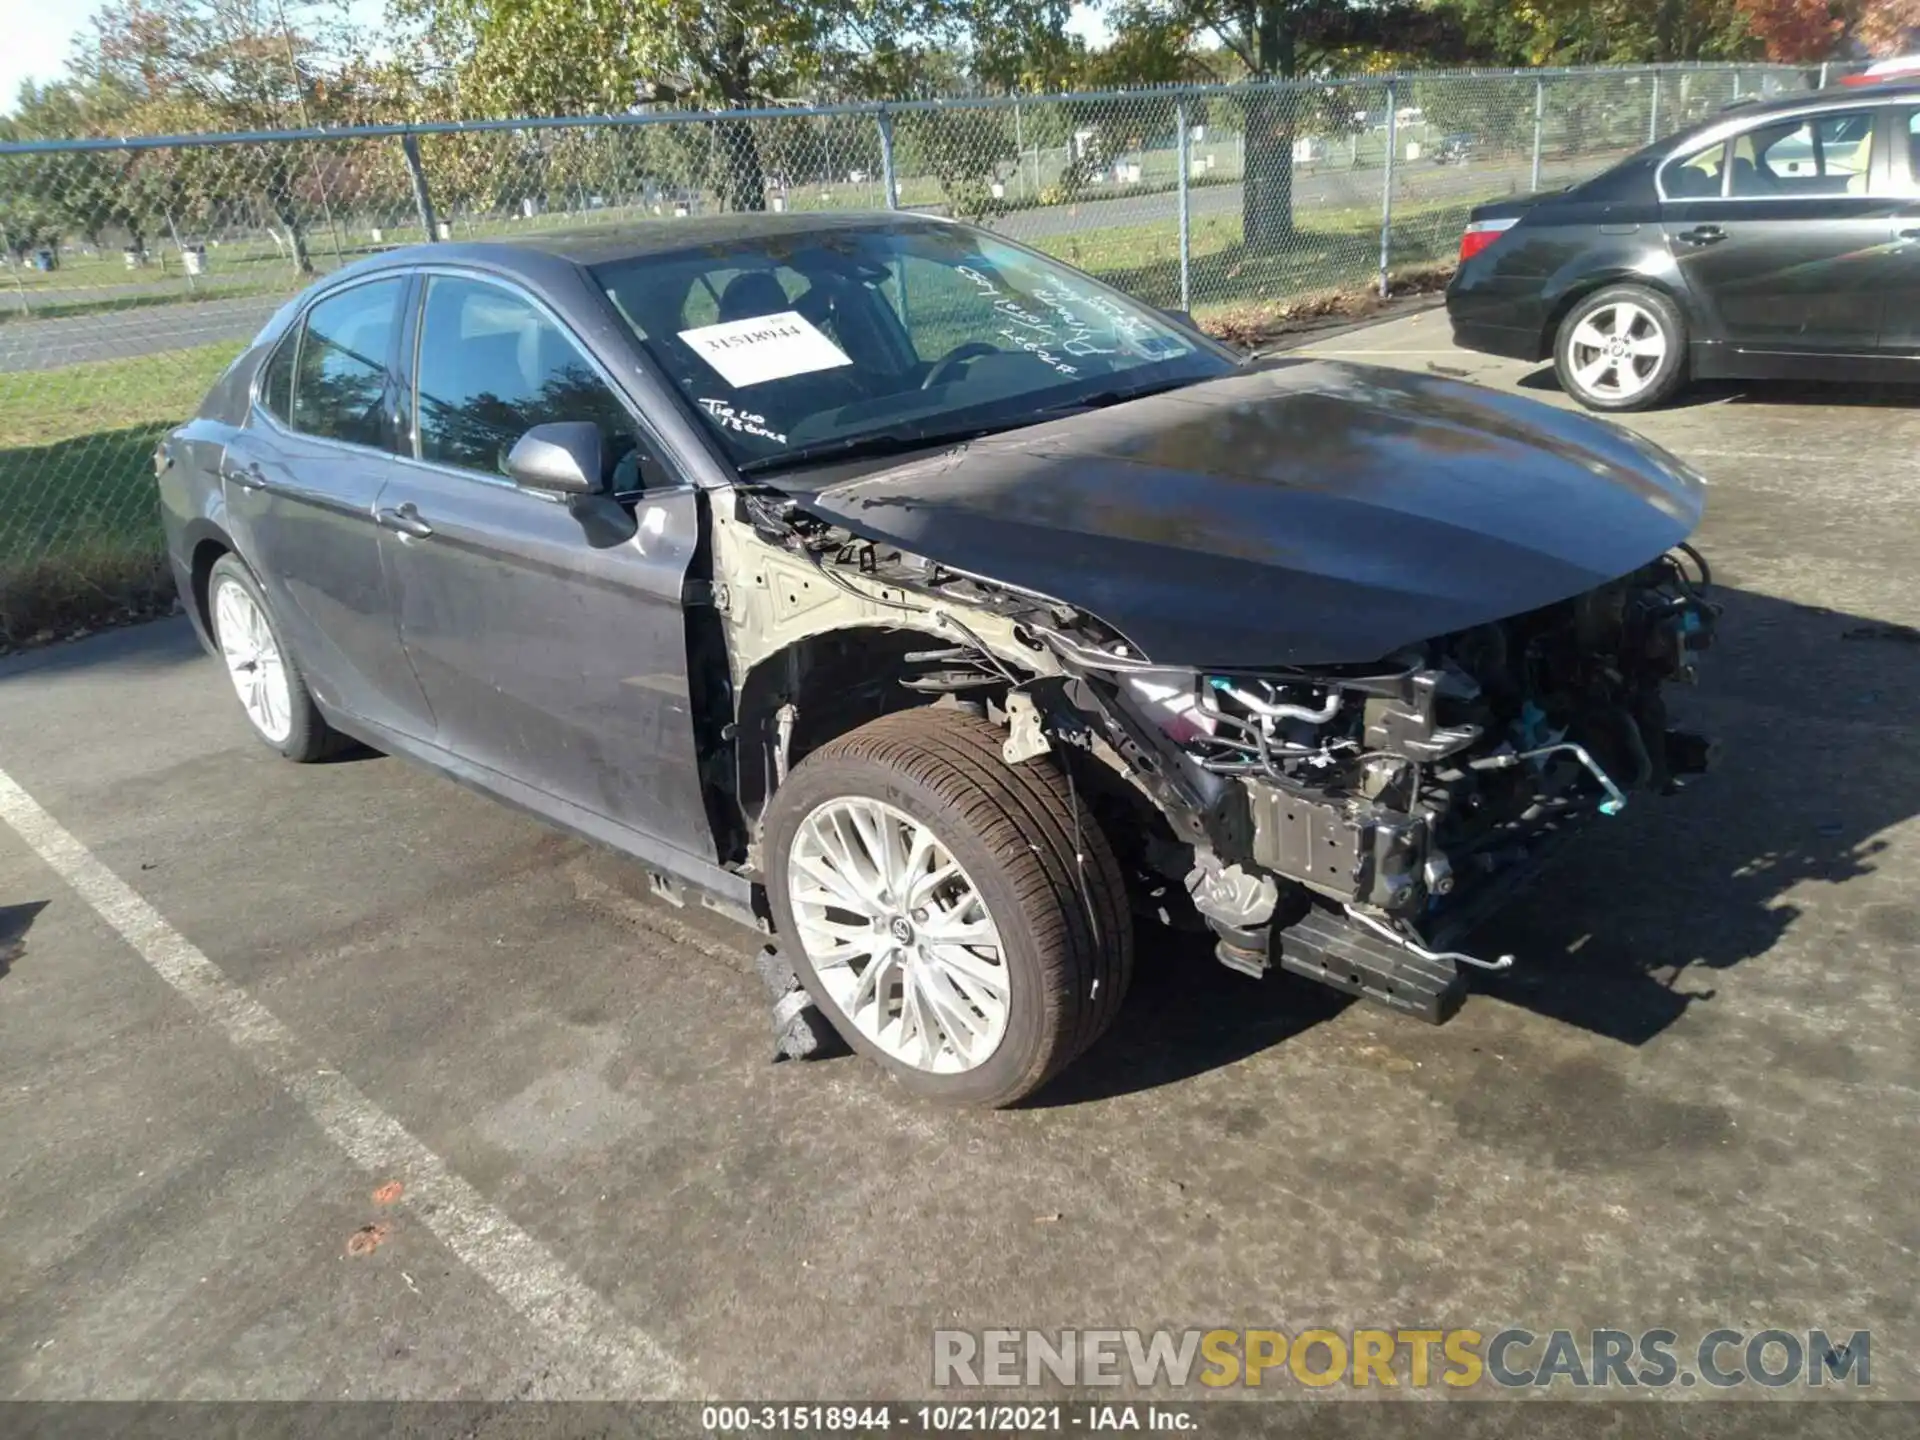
1808,157
1699,176
340,378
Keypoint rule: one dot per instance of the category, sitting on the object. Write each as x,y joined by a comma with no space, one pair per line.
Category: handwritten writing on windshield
1071,324
727,417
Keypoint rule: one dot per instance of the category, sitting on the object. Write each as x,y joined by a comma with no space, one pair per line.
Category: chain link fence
136,269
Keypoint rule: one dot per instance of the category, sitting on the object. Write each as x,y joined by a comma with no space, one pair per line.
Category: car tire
1027,859
266,679
1622,348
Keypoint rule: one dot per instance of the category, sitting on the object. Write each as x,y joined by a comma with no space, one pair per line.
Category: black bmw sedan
1777,239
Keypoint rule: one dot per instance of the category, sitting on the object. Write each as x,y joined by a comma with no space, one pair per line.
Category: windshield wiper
1119,395
860,447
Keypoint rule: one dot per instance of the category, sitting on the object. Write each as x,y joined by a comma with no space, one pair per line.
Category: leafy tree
1602,32
561,57
1793,30
1883,27
167,66
1285,40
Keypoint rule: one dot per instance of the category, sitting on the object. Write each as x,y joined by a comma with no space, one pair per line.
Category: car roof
550,254
659,237
638,239
1886,91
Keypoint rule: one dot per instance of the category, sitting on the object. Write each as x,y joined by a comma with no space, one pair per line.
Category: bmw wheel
272,692
1622,348
960,920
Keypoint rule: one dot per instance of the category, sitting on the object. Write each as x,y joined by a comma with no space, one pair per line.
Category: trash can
194,257
44,260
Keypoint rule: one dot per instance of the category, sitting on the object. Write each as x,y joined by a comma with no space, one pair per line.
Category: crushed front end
1352,823
1348,822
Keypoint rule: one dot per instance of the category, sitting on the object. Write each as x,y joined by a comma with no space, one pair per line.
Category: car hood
1302,513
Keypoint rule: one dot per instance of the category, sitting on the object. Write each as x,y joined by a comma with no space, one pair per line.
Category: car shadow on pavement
1810,708
15,921
1760,392
1187,1014
1623,935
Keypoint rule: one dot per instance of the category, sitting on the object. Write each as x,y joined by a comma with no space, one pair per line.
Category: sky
40,33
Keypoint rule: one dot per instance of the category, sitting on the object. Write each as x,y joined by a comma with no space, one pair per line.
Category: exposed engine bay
1344,821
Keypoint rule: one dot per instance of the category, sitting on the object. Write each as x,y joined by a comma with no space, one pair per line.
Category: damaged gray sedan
937,610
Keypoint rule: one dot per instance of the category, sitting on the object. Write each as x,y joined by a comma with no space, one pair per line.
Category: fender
1589,271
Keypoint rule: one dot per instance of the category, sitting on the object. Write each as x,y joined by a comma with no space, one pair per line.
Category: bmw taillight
1480,234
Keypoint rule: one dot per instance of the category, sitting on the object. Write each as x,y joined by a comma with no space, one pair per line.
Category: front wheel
1622,348
960,920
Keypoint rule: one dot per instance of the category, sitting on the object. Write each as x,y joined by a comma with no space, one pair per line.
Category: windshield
792,346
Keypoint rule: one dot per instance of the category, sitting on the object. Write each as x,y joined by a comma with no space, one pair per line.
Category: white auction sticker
767,347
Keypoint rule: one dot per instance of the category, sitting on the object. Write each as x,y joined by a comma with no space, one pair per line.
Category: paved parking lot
340,1081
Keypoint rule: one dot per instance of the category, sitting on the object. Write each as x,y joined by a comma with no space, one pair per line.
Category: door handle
1702,235
405,519
1907,235
251,478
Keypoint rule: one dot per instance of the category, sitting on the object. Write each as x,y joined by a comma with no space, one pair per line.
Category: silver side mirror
561,458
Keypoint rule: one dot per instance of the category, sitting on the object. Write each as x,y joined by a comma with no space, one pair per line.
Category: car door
1789,252
1899,319
549,636
300,482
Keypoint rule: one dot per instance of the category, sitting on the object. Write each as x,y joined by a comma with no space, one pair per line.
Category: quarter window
276,379
491,367
340,375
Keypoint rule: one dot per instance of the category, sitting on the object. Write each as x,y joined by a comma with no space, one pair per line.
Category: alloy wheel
1617,350
899,936
253,660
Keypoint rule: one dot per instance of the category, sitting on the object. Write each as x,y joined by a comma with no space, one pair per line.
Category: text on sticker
765,347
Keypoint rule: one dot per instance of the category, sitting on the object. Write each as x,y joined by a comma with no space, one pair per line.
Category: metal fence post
1823,74
1019,142
1386,188
1186,224
1653,111
422,198
888,180
1539,130
14,261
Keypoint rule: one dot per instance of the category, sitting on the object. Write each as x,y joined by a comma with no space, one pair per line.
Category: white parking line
626,1363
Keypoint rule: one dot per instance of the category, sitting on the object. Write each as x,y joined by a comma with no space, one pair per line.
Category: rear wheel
272,692
959,920
1622,348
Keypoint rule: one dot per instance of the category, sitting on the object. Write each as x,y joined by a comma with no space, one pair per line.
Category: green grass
66,306
1330,249
79,525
